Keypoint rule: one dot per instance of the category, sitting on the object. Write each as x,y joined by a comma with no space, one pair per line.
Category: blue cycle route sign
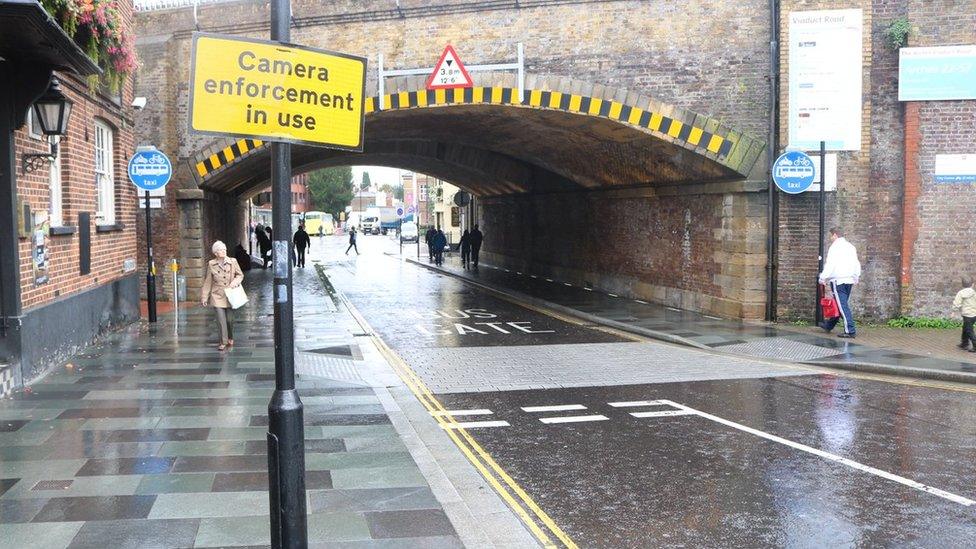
150,169
793,172
400,211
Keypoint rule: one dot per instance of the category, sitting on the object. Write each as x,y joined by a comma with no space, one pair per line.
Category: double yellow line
538,522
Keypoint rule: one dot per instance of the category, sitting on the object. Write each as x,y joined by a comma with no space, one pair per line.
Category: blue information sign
150,169
793,172
400,211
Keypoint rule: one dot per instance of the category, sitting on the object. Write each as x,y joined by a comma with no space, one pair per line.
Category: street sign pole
818,314
286,432
150,268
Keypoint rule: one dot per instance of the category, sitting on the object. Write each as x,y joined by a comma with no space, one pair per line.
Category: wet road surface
629,443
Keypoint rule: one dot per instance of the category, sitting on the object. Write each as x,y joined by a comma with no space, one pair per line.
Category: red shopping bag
828,305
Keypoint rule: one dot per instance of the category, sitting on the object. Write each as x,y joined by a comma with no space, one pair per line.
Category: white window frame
56,211
105,173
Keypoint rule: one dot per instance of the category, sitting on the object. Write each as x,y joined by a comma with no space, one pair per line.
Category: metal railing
157,5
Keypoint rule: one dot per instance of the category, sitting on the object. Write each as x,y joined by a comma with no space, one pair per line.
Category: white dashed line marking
662,413
557,408
673,309
641,302
475,424
548,280
476,412
587,289
567,284
613,295
573,419
633,403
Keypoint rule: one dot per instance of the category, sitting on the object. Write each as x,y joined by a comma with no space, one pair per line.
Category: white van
408,232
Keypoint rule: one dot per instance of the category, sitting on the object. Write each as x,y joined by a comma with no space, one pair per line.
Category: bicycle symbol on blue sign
793,172
150,169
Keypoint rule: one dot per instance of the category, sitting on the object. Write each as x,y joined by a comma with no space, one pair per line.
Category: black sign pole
286,432
150,268
400,234
818,314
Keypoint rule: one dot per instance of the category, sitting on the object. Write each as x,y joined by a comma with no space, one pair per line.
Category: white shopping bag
236,296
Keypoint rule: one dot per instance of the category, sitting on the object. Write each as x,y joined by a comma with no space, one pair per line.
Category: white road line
475,424
557,408
712,317
548,280
662,413
613,295
573,419
587,289
828,456
673,309
641,302
507,271
475,412
632,403
567,283
533,276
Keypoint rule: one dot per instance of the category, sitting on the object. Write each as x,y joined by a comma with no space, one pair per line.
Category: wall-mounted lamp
52,111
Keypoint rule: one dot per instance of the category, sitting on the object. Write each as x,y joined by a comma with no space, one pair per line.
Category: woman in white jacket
841,272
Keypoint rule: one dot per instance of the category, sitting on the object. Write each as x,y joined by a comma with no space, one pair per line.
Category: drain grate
780,348
338,350
53,485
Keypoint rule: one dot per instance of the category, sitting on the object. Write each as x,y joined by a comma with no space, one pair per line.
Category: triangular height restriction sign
449,72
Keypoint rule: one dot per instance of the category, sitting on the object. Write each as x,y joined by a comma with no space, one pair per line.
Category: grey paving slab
48,535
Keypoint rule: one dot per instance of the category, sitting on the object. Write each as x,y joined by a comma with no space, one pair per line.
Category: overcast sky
377,175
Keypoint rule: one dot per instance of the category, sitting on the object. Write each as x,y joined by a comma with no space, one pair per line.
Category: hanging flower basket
98,28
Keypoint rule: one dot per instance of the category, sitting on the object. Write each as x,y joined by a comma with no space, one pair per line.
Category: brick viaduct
636,161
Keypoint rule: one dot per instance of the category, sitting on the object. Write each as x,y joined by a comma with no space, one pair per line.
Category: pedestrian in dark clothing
465,246
477,238
352,241
243,258
965,303
439,242
301,241
264,245
429,239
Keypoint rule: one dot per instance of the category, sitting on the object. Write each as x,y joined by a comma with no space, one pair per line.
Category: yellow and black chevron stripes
696,137
222,157
568,102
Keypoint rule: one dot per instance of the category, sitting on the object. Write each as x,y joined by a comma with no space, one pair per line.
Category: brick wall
867,203
939,218
108,249
697,251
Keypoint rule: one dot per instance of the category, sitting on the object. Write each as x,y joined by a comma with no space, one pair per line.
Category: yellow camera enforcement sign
276,92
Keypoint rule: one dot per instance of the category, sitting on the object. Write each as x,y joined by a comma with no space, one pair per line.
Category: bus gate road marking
687,410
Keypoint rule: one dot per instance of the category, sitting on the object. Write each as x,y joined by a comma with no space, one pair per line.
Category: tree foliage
331,189
364,186
396,192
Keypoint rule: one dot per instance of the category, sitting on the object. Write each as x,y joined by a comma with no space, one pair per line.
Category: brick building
72,233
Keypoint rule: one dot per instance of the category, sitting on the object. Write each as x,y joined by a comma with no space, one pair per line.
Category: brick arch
725,151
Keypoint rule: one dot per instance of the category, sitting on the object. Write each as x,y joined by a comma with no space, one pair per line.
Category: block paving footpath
905,352
156,439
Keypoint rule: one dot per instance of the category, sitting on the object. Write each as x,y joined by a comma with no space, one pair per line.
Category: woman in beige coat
221,273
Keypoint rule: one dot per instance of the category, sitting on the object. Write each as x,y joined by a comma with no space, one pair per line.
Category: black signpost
286,430
818,314
150,267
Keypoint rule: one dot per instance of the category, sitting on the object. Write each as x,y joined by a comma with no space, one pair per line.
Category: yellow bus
319,223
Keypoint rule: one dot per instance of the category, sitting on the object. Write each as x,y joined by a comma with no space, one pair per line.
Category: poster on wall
39,251
955,168
938,73
825,76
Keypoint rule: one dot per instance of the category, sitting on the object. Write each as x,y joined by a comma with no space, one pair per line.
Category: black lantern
52,111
